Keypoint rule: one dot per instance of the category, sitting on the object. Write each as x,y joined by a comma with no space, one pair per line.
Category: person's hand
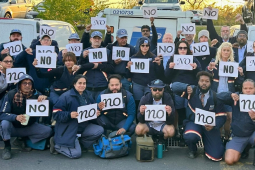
235,45
75,68
239,19
209,7
168,110
1,69
101,105
95,65
152,20
85,53
129,79
235,97
5,51
41,98
179,33
88,27
194,65
214,42
212,66
21,118
35,62
108,29
129,64
121,131
240,70
157,60
171,65
189,91
74,115
142,109
29,51
64,52
208,127
252,114
98,113
118,61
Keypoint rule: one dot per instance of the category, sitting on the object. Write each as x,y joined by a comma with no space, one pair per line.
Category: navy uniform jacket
86,42
236,55
36,42
248,74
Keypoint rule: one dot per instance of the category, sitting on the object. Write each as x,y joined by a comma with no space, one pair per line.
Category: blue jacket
66,128
116,115
236,55
242,125
195,102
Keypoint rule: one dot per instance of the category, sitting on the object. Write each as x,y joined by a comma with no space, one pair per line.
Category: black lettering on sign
150,12
99,22
228,69
188,28
183,61
46,60
159,114
252,63
75,48
16,76
121,53
139,65
87,114
206,120
210,13
43,51
40,108
250,104
97,55
14,49
49,32
115,102
202,48
165,49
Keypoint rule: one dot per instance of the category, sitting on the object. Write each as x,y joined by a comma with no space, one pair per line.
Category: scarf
18,97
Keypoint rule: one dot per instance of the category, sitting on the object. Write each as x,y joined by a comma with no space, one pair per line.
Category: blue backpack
113,146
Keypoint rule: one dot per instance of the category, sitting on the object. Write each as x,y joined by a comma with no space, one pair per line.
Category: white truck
132,20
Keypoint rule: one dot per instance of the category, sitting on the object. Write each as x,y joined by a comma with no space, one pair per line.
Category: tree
196,4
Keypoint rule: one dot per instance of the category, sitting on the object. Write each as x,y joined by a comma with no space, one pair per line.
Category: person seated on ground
156,96
65,140
11,116
202,97
117,119
242,126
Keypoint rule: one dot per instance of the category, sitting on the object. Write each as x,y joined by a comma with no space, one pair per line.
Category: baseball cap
96,33
122,33
45,35
74,36
157,84
15,31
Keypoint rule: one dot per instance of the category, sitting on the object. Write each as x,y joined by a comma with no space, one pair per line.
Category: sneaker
6,154
192,154
52,146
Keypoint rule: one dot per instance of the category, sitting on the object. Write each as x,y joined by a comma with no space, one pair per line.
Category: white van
173,5
30,29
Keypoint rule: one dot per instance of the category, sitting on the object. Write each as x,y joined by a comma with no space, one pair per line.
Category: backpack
113,147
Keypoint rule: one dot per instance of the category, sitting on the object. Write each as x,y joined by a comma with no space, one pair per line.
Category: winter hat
242,32
144,40
203,32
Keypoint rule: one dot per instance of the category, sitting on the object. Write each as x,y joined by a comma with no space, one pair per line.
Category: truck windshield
3,0
161,1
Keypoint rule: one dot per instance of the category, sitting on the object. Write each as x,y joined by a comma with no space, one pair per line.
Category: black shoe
52,146
6,154
245,153
181,143
192,154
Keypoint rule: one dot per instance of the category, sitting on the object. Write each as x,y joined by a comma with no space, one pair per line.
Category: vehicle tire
7,15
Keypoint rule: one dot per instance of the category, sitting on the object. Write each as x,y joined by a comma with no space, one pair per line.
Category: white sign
203,117
182,62
44,49
98,23
249,47
228,69
87,112
97,55
189,28
46,60
150,12
250,63
112,101
37,109
13,74
76,48
247,102
165,49
155,113
46,30
201,49
211,14
120,52
14,47
140,66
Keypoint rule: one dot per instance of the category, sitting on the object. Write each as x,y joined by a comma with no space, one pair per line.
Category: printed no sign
46,30
97,55
14,47
165,49
228,69
87,112
76,48
247,102
203,117
120,52
155,113
13,74
112,101
37,109
250,63
182,62
211,14
140,66
189,28
150,12
98,23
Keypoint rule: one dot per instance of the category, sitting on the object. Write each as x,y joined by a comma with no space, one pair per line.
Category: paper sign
228,69
140,66
37,109
97,55
155,113
76,48
247,102
189,28
13,74
44,49
46,60
203,117
249,47
165,49
98,23
87,112
201,49
250,63
120,52
150,12
46,30
210,14
112,101
14,47
182,62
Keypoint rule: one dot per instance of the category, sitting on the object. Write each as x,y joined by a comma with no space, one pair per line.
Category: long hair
178,44
219,54
148,54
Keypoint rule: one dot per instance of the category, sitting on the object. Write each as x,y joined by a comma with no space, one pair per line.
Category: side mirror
13,2
140,2
182,2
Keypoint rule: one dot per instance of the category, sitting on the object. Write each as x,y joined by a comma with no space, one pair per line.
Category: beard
242,42
157,96
225,37
118,90
204,90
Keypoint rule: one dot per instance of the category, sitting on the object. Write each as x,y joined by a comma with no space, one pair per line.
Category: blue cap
45,35
74,36
157,84
96,33
15,31
122,33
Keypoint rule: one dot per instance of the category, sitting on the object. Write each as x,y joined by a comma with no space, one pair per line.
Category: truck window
161,1
62,34
3,0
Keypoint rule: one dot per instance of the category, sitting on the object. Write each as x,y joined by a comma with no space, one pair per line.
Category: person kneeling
157,96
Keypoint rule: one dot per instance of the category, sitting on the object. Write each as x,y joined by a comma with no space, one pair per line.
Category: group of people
78,82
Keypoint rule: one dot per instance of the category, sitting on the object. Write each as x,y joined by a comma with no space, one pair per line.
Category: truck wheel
8,15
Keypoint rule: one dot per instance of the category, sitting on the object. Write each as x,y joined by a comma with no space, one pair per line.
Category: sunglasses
145,31
26,83
182,48
157,89
144,45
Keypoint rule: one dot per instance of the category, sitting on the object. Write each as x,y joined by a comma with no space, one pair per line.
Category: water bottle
160,148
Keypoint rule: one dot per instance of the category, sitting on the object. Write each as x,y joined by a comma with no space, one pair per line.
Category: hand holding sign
210,13
142,109
168,110
252,114
189,28
149,12
235,97
74,115
98,23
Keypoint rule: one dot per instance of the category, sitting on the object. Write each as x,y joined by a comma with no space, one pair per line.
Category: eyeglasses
6,62
144,45
145,30
241,36
182,48
26,83
159,89
46,40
